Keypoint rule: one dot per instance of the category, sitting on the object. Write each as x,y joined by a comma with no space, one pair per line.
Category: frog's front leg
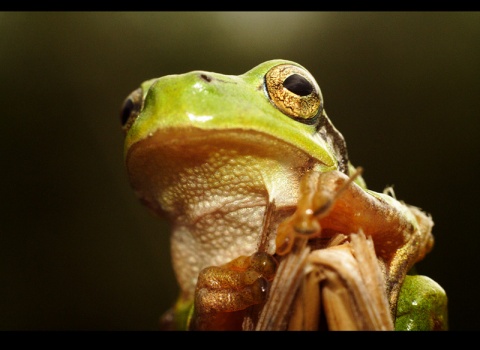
332,203
223,293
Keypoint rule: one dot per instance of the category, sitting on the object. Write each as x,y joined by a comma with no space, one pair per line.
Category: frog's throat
191,161
214,187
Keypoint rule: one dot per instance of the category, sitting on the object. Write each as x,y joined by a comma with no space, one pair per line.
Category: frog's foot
223,293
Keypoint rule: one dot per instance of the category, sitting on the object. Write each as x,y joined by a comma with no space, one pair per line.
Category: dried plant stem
344,281
275,313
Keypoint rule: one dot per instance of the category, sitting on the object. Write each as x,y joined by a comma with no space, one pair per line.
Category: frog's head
274,111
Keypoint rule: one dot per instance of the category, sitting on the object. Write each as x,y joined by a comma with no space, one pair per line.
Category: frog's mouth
175,160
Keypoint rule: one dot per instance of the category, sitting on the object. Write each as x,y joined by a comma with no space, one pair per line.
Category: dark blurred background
78,251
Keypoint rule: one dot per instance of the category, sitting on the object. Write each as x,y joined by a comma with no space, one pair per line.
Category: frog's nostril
206,77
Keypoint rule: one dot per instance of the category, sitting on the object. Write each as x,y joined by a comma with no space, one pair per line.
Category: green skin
422,305
182,102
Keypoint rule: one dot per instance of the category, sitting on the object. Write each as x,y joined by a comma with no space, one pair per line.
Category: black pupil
126,111
298,85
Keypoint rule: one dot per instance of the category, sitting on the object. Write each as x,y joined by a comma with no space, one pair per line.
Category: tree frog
241,166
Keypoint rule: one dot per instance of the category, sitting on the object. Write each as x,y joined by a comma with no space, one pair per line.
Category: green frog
223,157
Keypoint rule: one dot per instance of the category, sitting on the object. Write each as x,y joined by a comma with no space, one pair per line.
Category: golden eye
294,92
130,109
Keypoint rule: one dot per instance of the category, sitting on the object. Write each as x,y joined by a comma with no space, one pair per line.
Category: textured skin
422,305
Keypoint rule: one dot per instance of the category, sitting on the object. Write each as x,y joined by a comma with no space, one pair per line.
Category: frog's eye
294,92
131,108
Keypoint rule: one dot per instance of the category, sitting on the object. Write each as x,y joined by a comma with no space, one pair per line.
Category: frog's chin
169,168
